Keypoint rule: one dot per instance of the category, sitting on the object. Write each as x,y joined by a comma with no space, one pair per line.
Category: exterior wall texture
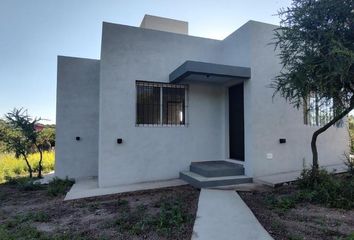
103,93
152,153
274,118
77,115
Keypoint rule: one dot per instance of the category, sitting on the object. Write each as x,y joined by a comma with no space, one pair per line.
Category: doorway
236,123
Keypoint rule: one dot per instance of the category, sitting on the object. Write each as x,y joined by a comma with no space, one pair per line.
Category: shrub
349,162
24,183
307,181
329,190
59,186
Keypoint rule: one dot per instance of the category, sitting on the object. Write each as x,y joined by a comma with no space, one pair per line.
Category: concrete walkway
88,187
223,215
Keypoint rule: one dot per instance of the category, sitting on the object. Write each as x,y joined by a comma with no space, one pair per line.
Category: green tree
22,137
47,136
2,144
14,141
316,48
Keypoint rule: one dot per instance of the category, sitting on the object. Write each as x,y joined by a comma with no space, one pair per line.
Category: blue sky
33,33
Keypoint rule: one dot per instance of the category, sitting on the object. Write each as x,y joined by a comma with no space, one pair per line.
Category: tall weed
11,167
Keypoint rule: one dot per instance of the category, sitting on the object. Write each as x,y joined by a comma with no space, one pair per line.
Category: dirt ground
167,213
304,221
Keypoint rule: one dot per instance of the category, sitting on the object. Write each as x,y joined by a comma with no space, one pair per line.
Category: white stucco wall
235,50
271,119
77,115
152,153
97,101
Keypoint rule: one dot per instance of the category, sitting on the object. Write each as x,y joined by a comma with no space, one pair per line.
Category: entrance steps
214,174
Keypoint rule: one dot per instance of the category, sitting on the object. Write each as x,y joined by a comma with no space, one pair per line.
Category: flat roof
208,72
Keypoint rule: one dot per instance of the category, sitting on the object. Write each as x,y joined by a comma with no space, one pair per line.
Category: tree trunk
315,166
40,161
29,166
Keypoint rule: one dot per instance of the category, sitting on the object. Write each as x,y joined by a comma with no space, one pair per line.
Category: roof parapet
164,24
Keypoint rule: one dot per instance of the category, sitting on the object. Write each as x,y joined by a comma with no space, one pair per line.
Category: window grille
161,104
318,112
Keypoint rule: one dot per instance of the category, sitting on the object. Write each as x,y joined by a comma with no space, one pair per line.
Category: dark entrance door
236,123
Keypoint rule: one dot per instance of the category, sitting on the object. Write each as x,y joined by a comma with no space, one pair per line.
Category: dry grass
12,167
160,214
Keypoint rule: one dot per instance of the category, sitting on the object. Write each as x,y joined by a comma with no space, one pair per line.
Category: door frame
240,159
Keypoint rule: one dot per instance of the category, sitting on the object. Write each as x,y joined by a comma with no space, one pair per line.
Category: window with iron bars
161,104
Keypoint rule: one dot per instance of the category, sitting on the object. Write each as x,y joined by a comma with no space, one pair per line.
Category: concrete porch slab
88,187
223,215
218,168
276,179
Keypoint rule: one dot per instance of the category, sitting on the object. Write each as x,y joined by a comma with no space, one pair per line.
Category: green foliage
122,203
19,135
21,232
350,237
59,186
13,140
281,204
17,230
316,49
27,232
170,218
315,39
29,217
307,180
295,237
134,221
38,216
10,167
24,183
327,189
349,162
47,137
351,132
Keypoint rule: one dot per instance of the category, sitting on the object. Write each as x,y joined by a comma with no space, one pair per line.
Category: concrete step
200,181
217,168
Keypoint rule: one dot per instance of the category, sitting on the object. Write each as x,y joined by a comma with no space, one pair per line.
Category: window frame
160,85
317,112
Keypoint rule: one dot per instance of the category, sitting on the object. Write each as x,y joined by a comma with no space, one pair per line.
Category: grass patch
38,216
134,221
58,186
27,232
280,204
350,237
11,167
20,232
172,216
169,220
24,183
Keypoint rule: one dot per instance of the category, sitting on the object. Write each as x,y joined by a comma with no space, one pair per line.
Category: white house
159,99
